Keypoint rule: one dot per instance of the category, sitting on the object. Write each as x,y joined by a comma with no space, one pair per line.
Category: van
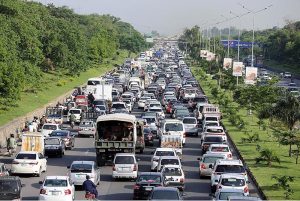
10,188
125,166
77,113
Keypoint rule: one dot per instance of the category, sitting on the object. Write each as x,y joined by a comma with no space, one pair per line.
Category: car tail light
203,166
229,155
33,163
114,168
15,162
68,192
246,189
2,174
136,187
42,191
134,167
181,180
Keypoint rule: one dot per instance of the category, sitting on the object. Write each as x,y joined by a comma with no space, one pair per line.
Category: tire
141,151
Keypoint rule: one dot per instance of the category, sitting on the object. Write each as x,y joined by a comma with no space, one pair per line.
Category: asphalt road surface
196,188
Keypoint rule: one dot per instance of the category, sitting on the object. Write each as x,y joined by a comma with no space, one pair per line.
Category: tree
268,156
283,182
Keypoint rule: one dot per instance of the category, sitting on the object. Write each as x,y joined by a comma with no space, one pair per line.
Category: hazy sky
172,16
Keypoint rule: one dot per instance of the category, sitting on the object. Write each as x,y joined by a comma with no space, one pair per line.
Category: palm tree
283,182
267,155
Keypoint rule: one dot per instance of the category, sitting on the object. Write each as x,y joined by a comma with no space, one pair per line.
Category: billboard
237,68
227,63
235,44
251,75
210,56
203,53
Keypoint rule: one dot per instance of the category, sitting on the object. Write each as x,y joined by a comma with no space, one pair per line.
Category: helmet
87,177
12,135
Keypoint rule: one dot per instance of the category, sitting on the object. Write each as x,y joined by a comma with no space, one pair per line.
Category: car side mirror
210,166
40,182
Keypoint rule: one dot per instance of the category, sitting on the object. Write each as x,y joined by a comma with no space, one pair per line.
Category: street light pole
227,19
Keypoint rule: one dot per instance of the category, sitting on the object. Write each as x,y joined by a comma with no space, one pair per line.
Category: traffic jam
149,107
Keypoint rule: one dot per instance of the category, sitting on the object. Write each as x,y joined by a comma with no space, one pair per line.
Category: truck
33,142
99,88
115,133
172,141
137,81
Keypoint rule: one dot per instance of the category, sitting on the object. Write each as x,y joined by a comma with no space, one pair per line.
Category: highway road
196,188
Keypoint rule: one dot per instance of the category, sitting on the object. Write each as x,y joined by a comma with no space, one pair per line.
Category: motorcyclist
89,186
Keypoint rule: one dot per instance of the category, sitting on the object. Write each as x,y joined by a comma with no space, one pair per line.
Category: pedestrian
11,144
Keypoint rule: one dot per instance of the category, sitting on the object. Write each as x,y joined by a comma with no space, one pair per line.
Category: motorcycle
89,196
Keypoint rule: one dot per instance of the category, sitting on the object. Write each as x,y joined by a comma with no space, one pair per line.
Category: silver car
206,162
190,126
79,169
87,128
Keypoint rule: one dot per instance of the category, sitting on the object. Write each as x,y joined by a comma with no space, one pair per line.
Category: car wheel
141,151
45,170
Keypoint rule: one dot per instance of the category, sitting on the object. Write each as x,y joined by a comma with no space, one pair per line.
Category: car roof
28,152
172,121
214,127
125,154
169,157
160,188
213,155
221,190
150,173
172,166
228,162
242,198
232,175
10,178
164,149
219,145
56,177
83,162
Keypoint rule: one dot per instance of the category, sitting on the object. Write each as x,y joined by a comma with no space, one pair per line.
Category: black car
165,193
54,146
66,136
145,182
10,188
148,137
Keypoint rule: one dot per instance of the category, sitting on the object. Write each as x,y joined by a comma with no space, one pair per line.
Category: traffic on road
143,131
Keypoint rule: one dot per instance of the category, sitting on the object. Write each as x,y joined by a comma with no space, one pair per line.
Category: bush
61,83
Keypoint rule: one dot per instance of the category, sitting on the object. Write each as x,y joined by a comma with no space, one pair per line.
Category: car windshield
173,127
165,195
214,130
150,120
124,160
86,168
114,93
172,171
234,182
211,159
149,178
225,195
26,156
49,127
8,186
211,124
165,153
100,107
74,111
220,149
170,161
189,121
59,134
52,141
213,139
118,106
211,119
56,183
230,168
86,124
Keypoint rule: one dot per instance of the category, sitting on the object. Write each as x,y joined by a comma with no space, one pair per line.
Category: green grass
261,172
283,67
51,89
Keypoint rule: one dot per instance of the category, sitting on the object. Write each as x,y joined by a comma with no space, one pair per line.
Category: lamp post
227,19
253,14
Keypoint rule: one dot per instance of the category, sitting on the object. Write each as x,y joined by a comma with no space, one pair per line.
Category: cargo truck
115,133
33,142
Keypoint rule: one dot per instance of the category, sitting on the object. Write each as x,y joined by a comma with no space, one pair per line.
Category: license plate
80,175
148,188
55,193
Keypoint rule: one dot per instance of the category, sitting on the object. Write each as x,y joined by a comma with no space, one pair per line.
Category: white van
173,127
77,113
125,166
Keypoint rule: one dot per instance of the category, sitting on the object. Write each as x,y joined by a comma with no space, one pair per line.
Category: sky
170,17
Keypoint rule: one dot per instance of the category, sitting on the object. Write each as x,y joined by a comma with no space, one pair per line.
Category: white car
220,149
223,166
48,128
57,188
125,166
80,169
173,176
129,104
158,110
167,160
233,181
158,153
206,163
29,162
142,101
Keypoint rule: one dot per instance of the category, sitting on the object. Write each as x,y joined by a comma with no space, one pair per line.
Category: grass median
261,172
54,85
